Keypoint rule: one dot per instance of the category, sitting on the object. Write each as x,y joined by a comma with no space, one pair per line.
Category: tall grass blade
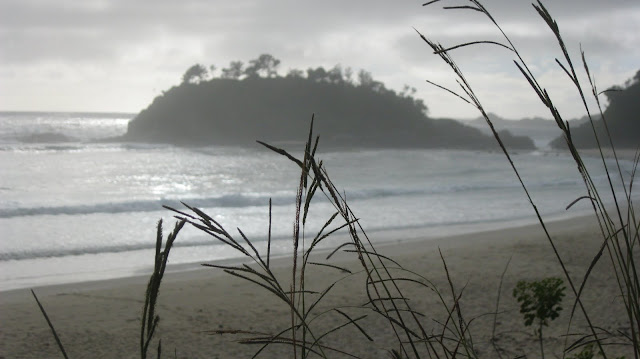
53,330
149,321
471,43
282,152
269,237
462,7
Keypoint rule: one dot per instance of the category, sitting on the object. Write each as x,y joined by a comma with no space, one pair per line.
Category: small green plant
540,300
588,353
585,353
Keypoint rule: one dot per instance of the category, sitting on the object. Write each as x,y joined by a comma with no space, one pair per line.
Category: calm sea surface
73,209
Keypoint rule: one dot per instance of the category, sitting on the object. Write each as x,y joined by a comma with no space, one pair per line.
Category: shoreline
382,238
624,154
101,319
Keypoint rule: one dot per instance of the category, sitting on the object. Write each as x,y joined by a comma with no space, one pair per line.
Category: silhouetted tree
212,70
335,74
365,79
348,75
419,103
234,71
378,86
319,74
295,73
408,91
633,80
265,65
195,74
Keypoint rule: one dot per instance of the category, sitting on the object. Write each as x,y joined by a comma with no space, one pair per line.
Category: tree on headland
295,73
234,71
335,74
319,74
631,81
265,66
212,70
195,74
408,91
348,75
365,79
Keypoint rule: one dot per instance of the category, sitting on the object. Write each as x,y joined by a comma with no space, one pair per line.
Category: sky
118,55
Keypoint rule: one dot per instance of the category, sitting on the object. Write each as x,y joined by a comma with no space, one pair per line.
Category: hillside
542,131
622,116
237,110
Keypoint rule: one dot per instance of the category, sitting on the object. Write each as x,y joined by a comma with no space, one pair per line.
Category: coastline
101,319
627,154
136,268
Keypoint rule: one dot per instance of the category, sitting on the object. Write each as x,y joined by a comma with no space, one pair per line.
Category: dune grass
382,276
53,329
308,334
618,226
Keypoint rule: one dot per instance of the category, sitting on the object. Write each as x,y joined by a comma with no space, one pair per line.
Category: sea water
74,208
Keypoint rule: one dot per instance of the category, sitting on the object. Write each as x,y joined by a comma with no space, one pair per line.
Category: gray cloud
38,29
143,37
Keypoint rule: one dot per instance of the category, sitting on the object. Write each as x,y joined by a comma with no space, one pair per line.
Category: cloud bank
117,55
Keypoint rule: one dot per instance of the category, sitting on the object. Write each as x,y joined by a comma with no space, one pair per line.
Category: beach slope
101,319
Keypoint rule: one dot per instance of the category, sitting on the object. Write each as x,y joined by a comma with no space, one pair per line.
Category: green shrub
540,300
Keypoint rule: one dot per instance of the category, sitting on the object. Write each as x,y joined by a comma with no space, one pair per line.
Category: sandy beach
101,319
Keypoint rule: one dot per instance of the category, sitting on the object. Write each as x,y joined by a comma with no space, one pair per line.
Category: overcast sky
117,55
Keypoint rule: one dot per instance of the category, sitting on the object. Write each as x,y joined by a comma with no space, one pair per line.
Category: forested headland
622,117
243,103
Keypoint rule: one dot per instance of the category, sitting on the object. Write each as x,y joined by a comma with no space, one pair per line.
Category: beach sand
101,319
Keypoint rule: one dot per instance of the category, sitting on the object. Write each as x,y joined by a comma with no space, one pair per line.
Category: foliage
234,71
195,74
540,299
295,73
265,65
365,79
587,352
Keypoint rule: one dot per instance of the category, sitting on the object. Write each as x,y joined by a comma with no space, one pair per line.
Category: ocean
75,209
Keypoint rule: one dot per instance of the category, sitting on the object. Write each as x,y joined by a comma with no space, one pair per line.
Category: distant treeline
622,120
253,102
